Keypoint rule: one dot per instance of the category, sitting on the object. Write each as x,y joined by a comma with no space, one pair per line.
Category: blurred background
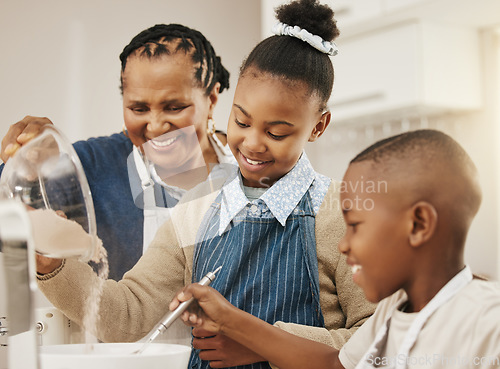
403,65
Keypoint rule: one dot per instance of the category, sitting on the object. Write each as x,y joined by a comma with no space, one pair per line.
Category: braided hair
159,40
294,60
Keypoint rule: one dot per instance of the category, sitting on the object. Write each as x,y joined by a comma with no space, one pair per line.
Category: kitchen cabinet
347,12
404,58
359,16
394,5
352,12
411,68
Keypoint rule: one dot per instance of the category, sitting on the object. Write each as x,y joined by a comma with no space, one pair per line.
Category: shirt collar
281,198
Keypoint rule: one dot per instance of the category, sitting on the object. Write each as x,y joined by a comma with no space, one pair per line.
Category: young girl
273,227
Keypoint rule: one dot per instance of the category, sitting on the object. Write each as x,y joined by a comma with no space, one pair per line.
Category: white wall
497,151
59,58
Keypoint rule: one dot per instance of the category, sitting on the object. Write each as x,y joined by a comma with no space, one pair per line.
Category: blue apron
268,270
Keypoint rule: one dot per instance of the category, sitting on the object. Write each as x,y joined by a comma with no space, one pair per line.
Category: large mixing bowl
114,356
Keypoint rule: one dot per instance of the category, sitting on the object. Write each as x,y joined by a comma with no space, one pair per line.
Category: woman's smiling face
270,123
161,96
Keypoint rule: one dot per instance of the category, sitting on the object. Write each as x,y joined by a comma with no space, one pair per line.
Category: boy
405,244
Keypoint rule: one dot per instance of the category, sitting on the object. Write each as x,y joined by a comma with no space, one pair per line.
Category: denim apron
268,270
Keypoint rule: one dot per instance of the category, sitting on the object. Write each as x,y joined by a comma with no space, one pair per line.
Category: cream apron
446,293
155,216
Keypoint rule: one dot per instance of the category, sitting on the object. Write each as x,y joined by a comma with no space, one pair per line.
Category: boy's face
269,125
378,224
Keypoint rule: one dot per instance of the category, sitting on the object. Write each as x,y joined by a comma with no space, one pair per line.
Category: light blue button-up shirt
279,200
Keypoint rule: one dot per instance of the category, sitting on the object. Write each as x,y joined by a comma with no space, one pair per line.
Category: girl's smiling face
269,125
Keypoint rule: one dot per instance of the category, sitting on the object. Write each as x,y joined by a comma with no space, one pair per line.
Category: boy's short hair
420,144
436,167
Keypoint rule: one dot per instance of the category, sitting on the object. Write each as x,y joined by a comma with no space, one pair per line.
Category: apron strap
308,223
451,288
147,183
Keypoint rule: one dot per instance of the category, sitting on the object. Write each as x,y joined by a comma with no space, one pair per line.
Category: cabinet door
347,12
395,5
350,12
410,68
376,72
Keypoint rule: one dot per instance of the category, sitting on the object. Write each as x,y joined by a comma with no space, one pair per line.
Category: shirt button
254,209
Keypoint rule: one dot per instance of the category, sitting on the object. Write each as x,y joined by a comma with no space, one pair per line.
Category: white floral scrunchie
327,47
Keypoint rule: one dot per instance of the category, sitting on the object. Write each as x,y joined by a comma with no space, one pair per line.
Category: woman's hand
21,133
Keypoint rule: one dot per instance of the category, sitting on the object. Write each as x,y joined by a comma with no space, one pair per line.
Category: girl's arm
215,314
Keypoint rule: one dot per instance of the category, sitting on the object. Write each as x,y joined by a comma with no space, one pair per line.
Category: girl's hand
45,265
210,311
21,133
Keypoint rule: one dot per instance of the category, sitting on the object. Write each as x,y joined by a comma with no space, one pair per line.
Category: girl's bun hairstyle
310,15
292,59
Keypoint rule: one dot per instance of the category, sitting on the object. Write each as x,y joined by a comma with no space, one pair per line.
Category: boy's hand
222,351
20,134
209,311
209,314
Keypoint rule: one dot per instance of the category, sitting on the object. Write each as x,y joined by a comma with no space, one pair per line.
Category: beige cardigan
131,307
